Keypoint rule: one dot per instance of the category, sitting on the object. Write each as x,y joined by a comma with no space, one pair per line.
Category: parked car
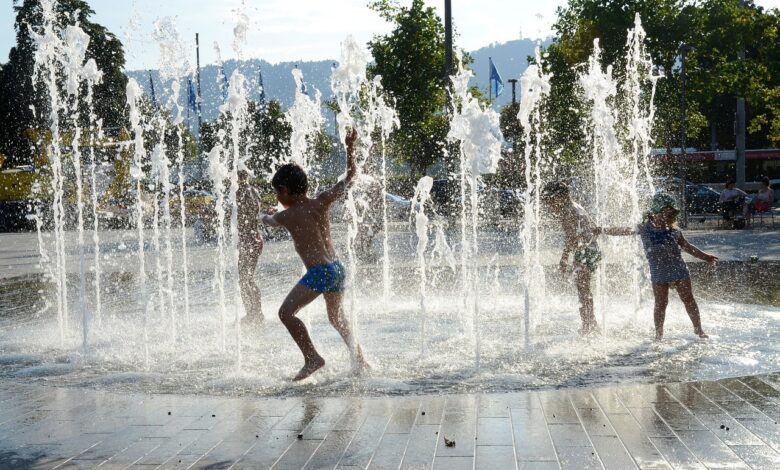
699,199
120,212
398,208
495,202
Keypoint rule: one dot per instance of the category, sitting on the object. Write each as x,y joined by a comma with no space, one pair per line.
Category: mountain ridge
510,58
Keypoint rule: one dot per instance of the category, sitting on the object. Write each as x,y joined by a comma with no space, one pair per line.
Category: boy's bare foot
309,368
700,333
588,328
659,337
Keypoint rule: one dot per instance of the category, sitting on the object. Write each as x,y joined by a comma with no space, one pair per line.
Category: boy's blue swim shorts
323,278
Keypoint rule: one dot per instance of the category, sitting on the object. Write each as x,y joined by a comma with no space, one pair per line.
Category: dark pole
740,143
448,67
683,135
198,101
447,40
513,81
197,65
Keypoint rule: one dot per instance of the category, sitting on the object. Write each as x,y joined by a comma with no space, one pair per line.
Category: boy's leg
582,278
685,291
334,301
299,297
661,295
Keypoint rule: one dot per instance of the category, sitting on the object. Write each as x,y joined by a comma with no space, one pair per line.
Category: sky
293,30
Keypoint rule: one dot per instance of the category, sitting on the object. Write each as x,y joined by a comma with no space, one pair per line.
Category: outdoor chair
761,215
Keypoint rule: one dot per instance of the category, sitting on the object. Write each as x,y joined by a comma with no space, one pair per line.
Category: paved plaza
730,423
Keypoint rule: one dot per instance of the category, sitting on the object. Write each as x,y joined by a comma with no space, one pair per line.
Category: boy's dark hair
292,177
554,189
730,181
765,180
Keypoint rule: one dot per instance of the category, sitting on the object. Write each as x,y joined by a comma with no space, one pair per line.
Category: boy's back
309,225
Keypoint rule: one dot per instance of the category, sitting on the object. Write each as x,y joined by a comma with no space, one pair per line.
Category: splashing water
476,131
426,281
534,89
134,94
422,195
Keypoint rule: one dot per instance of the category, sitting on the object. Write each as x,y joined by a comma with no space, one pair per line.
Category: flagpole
490,80
198,100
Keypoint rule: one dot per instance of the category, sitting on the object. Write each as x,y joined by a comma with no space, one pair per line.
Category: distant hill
510,59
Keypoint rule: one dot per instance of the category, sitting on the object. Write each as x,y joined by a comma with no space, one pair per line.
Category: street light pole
740,138
447,40
513,81
683,167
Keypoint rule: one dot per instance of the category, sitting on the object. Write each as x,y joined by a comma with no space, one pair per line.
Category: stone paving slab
730,423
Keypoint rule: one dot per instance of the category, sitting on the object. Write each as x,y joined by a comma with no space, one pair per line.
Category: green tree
716,30
266,136
410,60
23,106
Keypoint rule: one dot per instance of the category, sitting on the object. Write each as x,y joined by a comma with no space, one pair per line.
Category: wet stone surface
730,423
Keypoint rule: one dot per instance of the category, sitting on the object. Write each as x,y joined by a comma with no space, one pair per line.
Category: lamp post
513,81
683,167
740,126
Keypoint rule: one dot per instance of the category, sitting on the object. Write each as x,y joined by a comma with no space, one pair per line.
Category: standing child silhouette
308,221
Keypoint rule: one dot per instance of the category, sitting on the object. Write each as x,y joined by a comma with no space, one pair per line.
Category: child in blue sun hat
664,243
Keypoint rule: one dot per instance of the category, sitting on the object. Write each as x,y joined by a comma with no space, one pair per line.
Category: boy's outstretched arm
269,218
337,190
694,251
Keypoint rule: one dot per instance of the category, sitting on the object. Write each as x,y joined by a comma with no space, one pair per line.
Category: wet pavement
20,254
729,423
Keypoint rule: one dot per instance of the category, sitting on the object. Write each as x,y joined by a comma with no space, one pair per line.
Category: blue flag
262,87
496,84
192,100
225,85
151,85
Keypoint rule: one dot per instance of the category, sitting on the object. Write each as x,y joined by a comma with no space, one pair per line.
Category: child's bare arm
337,190
569,243
694,251
270,218
614,231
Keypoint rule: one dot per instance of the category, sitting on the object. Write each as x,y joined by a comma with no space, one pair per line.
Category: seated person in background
765,198
732,200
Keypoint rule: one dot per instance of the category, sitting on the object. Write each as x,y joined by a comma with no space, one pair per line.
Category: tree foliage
410,60
716,30
23,106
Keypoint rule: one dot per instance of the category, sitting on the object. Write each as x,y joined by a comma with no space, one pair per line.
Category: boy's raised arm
337,190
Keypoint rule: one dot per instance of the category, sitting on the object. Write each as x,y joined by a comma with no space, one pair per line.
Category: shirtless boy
308,222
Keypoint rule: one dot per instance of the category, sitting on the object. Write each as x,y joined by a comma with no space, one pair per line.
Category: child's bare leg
248,254
661,295
685,291
299,297
582,279
334,301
